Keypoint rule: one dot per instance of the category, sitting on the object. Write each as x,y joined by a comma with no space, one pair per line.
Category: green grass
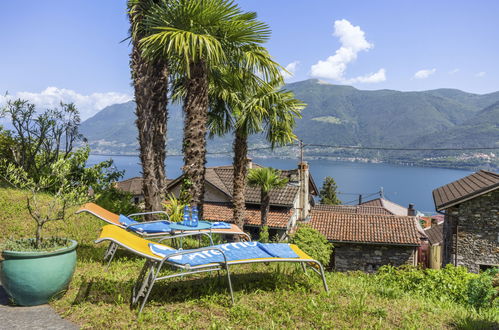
275,296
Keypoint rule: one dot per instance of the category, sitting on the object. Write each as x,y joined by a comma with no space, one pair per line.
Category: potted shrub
37,269
39,158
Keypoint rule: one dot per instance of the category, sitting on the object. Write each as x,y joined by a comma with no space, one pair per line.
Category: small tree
267,179
328,192
67,189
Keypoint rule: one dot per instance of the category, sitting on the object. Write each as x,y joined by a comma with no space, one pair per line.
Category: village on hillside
376,232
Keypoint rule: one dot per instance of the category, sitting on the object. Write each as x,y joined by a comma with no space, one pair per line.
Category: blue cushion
126,221
220,225
151,228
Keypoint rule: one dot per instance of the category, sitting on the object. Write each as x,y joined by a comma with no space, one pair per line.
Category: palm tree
200,35
267,179
263,108
150,81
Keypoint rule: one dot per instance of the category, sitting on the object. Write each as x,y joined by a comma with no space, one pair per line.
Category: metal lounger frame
152,268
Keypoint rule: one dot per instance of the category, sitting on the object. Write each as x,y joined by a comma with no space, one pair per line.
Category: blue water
401,184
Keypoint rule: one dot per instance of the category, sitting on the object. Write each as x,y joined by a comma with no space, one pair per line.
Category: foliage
266,178
452,283
264,234
313,243
41,139
328,192
116,200
175,208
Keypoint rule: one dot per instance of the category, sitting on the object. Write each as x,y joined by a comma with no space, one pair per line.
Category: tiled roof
367,228
224,212
391,207
354,209
133,185
461,190
221,177
435,233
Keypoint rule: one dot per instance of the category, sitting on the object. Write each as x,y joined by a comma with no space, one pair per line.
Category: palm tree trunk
240,170
265,207
150,81
194,144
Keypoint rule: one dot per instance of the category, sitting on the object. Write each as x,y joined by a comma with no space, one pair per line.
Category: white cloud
480,74
353,41
425,73
88,105
454,71
291,70
370,78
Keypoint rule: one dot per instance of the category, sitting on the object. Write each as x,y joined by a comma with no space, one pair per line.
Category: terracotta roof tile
133,185
366,228
223,212
354,209
466,188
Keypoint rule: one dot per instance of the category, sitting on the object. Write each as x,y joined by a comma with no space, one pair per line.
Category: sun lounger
152,229
208,259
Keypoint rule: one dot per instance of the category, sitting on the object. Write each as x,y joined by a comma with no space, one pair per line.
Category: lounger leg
230,283
323,277
110,252
303,267
144,283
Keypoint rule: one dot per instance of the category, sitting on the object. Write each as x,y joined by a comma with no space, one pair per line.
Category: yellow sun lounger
207,259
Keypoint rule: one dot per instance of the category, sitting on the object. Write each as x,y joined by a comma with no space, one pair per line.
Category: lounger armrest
180,253
194,233
146,213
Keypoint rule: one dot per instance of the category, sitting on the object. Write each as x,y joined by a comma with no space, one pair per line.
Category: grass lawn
274,296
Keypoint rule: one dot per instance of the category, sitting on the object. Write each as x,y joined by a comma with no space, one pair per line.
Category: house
471,222
367,241
134,187
294,200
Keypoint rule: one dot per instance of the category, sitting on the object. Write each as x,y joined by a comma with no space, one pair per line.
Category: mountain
339,115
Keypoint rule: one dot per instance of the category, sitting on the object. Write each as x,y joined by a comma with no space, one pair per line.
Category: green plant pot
34,278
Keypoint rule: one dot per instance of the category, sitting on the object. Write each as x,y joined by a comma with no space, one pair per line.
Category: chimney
304,202
249,163
411,211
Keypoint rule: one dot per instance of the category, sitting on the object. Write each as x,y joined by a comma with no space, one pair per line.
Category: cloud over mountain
88,105
353,41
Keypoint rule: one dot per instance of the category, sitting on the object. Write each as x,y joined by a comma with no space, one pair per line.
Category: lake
401,184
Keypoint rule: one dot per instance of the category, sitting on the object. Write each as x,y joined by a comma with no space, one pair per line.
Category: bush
313,243
117,201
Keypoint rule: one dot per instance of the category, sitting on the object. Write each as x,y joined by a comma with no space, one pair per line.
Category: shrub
264,235
116,201
313,243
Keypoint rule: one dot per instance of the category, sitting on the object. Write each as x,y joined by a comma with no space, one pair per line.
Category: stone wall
369,258
477,224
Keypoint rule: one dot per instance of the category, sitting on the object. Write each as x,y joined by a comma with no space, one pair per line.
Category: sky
57,50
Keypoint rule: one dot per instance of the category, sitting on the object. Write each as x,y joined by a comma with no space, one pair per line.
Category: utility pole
382,193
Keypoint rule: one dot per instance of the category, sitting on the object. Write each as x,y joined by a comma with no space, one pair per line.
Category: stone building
366,241
471,225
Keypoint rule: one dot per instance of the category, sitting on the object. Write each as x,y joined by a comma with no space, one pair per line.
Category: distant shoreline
338,159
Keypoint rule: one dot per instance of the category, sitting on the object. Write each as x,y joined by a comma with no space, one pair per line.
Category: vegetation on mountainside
435,117
279,296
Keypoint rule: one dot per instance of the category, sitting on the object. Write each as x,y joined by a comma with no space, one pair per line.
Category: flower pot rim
34,254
